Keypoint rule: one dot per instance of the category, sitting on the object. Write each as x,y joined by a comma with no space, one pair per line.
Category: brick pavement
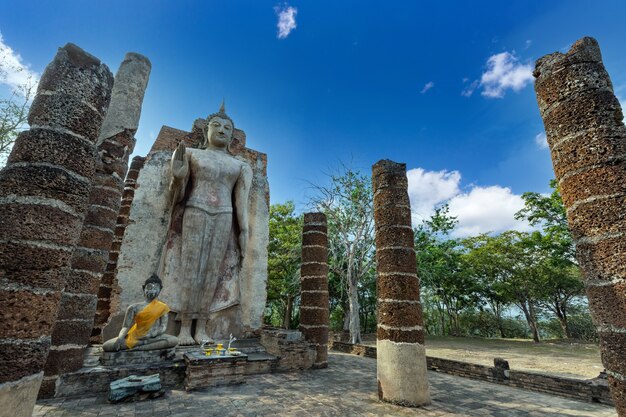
346,388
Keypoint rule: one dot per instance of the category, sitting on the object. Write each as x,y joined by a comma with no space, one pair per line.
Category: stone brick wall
169,138
587,139
314,305
595,390
108,283
44,191
401,361
202,372
289,346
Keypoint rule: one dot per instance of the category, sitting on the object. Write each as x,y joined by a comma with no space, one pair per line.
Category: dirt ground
572,359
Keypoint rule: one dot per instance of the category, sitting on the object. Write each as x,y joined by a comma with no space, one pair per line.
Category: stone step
248,346
261,356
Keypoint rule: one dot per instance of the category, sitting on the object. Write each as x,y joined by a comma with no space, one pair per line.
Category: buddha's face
220,132
151,290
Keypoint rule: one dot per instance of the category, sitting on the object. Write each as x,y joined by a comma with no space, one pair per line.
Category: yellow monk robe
144,321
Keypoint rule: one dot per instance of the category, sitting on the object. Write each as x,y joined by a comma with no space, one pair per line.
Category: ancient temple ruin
80,237
84,237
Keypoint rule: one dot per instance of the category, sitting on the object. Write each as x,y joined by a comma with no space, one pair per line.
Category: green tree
284,257
560,288
347,203
486,265
561,282
446,284
521,272
14,107
547,212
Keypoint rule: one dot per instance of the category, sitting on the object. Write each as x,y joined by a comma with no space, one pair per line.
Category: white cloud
487,209
430,188
541,140
13,71
427,87
623,104
504,72
479,210
286,20
470,88
528,43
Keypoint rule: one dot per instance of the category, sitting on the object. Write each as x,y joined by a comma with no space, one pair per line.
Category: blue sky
445,88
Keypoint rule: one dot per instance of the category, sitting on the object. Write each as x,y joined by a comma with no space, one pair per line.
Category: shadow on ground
346,388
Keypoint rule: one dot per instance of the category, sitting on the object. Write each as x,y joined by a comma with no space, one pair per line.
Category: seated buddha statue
144,323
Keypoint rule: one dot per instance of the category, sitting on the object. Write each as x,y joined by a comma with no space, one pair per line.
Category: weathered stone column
44,191
314,305
401,358
587,139
108,283
71,332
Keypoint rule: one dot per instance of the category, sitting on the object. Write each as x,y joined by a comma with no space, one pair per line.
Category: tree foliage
347,203
561,284
14,107
444,278
512,284
535,272
284,257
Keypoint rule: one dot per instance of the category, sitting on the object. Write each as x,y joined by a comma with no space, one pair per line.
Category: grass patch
568,358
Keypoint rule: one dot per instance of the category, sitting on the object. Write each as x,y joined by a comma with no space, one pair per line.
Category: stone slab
199,358
138,357
18,397
123,388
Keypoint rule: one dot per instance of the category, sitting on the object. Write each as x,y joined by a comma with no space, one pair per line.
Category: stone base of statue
137,357
277,350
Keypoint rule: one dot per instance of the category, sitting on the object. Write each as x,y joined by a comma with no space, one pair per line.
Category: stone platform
95,377
286,352
346,388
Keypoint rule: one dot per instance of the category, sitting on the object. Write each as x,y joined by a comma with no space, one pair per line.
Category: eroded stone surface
129,88
115,143
51,167
586,135
314,308
402,377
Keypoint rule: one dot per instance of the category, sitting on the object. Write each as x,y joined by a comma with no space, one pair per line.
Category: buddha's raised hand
180,165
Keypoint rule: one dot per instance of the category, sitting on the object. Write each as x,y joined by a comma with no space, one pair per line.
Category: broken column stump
44,190
587,138
314,307
134,387
401,357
